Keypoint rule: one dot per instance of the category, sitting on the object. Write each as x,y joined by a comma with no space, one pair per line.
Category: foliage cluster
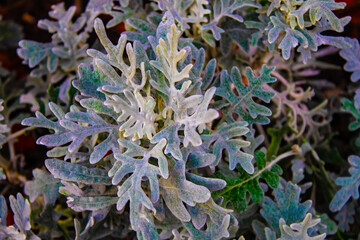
204,120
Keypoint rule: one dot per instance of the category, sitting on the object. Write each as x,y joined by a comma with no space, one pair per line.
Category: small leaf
80,204
349,185
43,184
77,173
21,210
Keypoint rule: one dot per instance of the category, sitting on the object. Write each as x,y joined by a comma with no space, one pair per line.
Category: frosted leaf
349,185
352,56
131,189
43,184
299,231
21,210
76,173
227,137
243,103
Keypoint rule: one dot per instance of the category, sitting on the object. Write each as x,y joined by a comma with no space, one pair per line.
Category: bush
205,120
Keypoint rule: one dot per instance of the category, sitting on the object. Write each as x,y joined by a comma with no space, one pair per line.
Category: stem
4,163
262,132
19,133
281,78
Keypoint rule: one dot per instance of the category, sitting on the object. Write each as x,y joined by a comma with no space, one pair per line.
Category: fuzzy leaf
226,137
317,10
77,173
114,56
349,185
212,232
42,121
226,8
43,184
147,229
309,40
352,56
131,190
299,231
76,133
137,113
89,81
208,211
286,206
176,189
80,204
242,103
198,119
21,210
170,133
33,52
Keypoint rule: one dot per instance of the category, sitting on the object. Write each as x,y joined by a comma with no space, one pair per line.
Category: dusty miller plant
199,122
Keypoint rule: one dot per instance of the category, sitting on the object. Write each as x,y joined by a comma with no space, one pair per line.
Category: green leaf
353,109
89,81
236,188
277,135
53,93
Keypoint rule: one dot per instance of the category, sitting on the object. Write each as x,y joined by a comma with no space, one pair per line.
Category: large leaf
71,128
136,160
236,188
227,137
224,8
242,103
308,39
286,206
176,189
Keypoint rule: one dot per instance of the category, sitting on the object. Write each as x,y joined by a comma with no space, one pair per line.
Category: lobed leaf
77,173
237,187
349,185
242,103
43,184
